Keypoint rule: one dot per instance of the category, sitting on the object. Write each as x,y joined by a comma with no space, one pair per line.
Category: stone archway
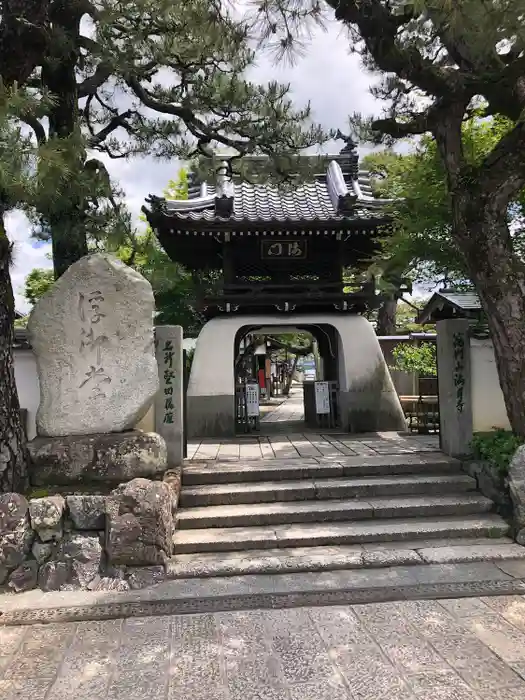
368,399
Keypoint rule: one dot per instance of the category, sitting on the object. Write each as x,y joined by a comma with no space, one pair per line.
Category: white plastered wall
361,360
26,379
488,406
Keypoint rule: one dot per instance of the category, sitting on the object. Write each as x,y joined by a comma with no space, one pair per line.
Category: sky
328,77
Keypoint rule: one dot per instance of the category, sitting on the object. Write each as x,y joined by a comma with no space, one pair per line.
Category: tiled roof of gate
310,201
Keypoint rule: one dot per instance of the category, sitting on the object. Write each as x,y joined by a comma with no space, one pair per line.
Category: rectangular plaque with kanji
283,250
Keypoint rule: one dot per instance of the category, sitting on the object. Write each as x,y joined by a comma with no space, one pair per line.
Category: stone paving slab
301,445
469,649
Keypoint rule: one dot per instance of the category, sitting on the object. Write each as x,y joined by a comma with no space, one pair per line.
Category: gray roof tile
266,203
464,300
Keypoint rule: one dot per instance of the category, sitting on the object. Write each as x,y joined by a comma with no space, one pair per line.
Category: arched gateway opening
278,368
296,259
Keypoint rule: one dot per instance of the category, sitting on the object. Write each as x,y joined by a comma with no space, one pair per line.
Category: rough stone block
24,577
145,576
173,477
139,523
16,535
46,517
110,457
87,512
516,480
105,583
83,554
92,335
53,575
42,551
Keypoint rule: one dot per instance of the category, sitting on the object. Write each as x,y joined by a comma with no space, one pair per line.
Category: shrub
497,447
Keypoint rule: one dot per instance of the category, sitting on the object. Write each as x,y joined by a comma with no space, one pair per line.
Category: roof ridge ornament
348,157
224,191
343,201
350,145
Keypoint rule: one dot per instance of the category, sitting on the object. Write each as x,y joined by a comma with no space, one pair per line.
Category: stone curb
222,603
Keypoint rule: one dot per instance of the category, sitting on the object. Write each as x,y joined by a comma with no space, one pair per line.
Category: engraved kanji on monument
92,335
169,403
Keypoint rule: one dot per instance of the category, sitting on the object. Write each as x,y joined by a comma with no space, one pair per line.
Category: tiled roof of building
463,303
469,301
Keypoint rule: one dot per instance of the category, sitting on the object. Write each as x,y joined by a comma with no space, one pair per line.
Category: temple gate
283,256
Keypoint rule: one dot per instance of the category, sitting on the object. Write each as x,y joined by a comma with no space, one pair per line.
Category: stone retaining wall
84,541
492,484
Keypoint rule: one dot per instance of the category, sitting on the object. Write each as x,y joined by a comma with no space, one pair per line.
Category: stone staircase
286,516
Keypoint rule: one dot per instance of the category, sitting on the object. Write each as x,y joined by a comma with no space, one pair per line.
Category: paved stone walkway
308,445
290,410
469,649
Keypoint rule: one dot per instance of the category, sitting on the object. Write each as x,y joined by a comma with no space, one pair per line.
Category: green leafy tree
37,283
419,359
179,69
422,244
441,62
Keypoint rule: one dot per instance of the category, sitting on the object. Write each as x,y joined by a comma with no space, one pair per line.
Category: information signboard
252,400
322,398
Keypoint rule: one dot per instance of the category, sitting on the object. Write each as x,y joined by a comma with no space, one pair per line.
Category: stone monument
92,335
93,338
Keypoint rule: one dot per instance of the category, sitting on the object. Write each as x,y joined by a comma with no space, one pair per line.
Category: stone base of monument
108,458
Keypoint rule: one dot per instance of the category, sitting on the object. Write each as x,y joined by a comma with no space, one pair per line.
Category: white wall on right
488,406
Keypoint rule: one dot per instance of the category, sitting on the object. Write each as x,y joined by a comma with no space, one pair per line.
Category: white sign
322,398
252,400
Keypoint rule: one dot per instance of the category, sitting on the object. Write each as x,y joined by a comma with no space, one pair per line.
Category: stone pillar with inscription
454,381
169,402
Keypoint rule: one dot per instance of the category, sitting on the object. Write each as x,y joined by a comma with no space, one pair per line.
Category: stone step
287,512
289,560
302,490
318,534
195,474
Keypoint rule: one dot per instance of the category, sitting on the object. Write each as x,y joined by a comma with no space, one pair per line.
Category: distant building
450,303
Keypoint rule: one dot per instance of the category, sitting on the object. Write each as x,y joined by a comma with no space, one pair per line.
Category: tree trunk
13,455
499,276
23,38
67,221
286,390
386,318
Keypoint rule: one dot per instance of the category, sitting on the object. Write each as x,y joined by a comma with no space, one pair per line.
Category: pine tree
21,186
149,77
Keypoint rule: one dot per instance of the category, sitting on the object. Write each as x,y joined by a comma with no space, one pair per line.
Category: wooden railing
422,413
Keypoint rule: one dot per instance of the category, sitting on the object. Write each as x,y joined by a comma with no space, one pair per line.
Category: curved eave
161,221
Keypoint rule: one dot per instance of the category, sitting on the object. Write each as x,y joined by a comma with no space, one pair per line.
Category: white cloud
328,77
26,255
